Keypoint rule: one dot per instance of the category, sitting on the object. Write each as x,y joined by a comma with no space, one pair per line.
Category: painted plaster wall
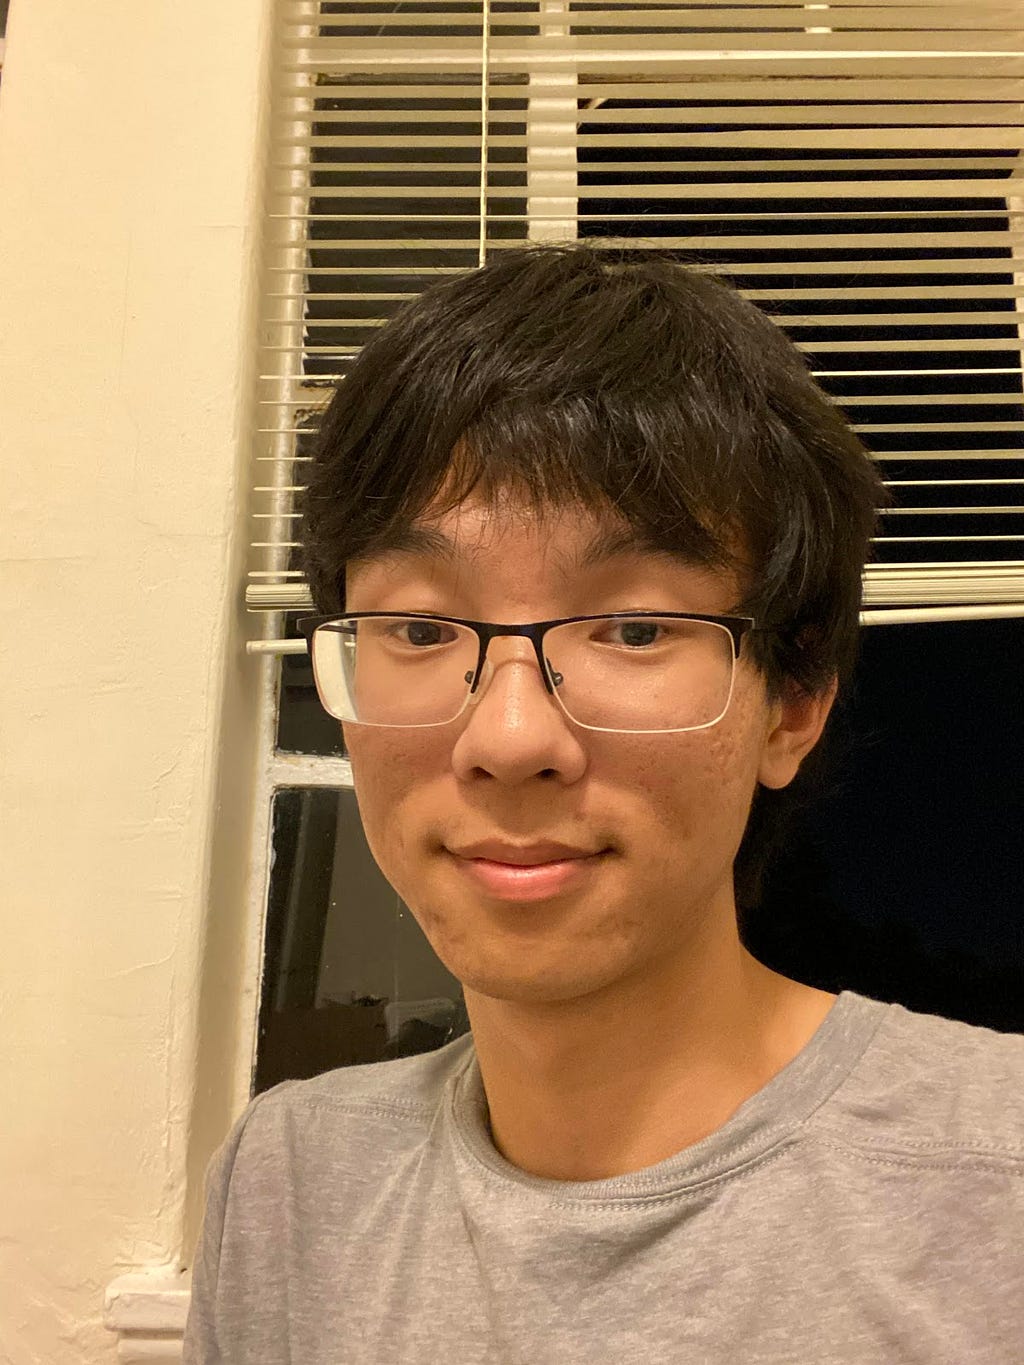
128,200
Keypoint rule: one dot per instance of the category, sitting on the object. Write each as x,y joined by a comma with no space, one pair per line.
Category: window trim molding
148,1310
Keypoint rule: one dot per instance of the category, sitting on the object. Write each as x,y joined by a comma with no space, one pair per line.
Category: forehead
513,549
569,540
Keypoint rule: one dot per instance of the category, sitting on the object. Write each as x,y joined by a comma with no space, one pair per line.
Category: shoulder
929,1084
376,1106
405,1084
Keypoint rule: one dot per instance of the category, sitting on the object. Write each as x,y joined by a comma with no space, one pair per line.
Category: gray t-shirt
866,1206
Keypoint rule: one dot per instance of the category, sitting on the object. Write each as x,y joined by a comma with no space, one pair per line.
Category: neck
592,1087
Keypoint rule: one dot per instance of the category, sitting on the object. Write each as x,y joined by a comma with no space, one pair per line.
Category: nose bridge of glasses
509,647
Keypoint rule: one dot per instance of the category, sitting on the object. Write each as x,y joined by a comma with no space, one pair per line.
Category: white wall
128,202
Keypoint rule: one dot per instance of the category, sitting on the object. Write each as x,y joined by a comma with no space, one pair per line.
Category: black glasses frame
737,626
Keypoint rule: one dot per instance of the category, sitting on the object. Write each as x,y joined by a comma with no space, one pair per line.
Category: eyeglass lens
640,674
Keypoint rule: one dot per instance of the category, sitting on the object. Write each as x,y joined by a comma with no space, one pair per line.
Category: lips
524,855
529,882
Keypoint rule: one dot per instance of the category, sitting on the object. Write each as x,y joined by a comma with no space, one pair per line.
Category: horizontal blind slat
590,86
401,60
860,115
850,294
858,320
948,266
365,53
879,18
723,242
427,188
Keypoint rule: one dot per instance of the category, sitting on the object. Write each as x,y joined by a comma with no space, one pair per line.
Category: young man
650,1147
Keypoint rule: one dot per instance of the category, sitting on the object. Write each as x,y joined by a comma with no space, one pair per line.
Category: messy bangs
532,462
635,389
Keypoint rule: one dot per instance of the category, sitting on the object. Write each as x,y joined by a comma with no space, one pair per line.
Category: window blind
854,169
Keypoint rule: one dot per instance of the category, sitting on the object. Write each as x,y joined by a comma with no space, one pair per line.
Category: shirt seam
917,1154
387,1108
694,1181
766,1142
978,1146
512,1189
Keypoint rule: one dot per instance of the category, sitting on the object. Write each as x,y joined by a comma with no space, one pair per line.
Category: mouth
529,882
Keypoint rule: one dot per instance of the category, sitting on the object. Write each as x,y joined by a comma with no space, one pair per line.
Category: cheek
736,748
389,776
699,789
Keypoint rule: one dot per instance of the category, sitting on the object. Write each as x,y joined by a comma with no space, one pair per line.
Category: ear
795,723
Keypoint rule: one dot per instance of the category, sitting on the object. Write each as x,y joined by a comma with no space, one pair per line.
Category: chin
558,985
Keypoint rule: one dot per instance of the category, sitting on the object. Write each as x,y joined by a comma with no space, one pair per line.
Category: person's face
670,808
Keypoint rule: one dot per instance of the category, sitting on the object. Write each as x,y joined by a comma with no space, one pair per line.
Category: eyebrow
420,540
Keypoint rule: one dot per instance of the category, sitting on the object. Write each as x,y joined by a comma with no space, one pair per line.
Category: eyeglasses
632,672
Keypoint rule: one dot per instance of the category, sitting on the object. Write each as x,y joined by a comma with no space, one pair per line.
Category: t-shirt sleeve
202,1344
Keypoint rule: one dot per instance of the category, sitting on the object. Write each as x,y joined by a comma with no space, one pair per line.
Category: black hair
625,383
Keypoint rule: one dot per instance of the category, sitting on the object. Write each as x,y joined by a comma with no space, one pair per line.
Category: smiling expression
671,808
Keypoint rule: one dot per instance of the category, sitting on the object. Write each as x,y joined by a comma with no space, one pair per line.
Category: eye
637,634
419,633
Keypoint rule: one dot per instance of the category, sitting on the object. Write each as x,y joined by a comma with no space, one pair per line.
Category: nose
503,651
514,729
512,676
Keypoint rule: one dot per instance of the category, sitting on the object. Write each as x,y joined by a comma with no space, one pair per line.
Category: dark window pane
349,976
907,881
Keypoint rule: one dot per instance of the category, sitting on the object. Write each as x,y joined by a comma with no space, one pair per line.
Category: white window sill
147,1310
